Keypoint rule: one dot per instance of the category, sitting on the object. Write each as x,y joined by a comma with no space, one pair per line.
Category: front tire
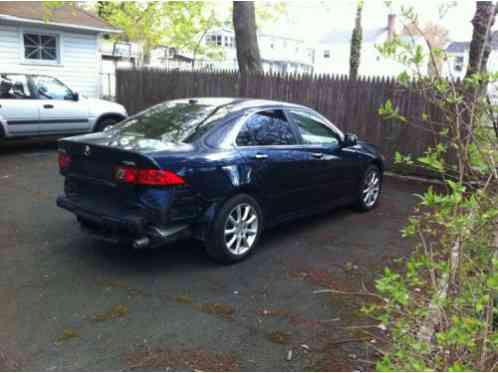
369,190
236,230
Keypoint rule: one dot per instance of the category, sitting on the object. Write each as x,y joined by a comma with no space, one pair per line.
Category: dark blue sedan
218,169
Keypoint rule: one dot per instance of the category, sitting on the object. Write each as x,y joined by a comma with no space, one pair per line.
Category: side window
312,131
52,89
14,87
266,128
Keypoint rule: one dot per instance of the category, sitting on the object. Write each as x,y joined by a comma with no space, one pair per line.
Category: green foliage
179,24
440,312
152,24
388,111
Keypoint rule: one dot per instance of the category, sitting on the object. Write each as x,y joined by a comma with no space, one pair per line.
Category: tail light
147,176
64,160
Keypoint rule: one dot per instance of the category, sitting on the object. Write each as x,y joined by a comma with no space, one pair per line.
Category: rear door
270,146
59,111
334,173
18,107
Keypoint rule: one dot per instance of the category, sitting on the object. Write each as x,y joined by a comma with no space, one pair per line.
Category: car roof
241,103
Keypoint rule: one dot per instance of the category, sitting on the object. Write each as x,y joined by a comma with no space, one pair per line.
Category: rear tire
236,230
106,122
369,190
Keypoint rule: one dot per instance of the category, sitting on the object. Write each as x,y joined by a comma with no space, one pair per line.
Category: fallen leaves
279,337
115,312
224,311
67,334
189,359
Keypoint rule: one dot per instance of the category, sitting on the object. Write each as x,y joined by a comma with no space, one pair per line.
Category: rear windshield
172,121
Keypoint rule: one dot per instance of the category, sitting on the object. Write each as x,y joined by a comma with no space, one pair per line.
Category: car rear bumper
121,228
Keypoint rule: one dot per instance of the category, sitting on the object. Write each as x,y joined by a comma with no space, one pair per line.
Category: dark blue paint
291,182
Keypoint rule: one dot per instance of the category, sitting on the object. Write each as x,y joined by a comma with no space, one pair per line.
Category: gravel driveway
72,303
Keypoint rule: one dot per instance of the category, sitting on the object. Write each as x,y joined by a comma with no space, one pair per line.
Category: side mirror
76,96
350,139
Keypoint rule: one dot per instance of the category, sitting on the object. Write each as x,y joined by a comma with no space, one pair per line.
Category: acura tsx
218,169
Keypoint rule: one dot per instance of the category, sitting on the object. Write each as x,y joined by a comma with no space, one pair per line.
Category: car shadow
189,254
26,146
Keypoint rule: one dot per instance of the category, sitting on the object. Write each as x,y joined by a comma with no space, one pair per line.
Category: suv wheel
236,230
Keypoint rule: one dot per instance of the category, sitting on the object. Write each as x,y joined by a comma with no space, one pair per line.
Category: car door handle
260,156
317,155
48,106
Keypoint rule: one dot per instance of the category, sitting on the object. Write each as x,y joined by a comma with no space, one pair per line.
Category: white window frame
59,43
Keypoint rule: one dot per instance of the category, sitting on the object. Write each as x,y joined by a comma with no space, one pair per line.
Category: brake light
147,176
64,160
159,177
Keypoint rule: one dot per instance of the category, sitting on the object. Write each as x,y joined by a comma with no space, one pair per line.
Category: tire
233,247
106,122
371,181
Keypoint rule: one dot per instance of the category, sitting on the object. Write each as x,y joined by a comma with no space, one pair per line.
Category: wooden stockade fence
352,105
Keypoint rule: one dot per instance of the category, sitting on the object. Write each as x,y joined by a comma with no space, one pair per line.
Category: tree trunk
480,49
480,46
356,39
244,24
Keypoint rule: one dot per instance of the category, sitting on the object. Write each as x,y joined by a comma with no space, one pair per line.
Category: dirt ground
72,303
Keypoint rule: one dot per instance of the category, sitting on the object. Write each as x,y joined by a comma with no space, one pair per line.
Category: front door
18,107
60,112
334,172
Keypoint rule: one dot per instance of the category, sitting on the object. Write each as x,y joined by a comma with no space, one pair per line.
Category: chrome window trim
322,120
230,140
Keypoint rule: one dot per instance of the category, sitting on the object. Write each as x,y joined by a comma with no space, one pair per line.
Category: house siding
79,64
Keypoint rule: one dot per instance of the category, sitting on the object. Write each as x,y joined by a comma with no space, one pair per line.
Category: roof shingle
70,15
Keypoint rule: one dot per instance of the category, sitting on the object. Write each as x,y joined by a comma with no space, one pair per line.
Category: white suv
36,105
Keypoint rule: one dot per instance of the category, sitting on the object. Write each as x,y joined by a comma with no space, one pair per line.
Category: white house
333,50
457,54
278,54
64,43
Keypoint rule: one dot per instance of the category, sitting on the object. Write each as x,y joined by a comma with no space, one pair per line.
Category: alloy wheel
241,229
371,190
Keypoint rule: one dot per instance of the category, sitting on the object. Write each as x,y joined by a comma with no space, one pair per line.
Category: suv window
52,89
14,86
266,128
312,131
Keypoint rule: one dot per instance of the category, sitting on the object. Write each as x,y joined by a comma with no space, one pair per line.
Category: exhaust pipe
141,243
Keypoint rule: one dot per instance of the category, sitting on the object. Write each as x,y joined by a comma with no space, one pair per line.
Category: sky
310,19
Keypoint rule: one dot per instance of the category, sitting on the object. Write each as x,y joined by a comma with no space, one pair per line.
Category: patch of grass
66,335
115,312
224,311
279,337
